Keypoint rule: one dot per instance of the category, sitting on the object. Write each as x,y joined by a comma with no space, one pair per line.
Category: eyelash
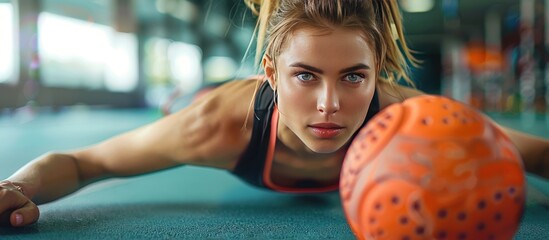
302,73
360,75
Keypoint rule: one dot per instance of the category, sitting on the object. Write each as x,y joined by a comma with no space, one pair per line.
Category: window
81,54
171,65
8,46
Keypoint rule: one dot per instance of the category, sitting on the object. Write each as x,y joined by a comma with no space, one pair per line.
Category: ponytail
397,57
264,9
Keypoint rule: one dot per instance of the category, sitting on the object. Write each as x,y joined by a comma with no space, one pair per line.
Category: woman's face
325,83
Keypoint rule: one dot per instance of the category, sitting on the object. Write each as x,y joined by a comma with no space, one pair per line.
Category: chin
326,147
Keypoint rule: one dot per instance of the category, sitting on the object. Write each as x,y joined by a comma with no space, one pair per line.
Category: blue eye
305,77
354,78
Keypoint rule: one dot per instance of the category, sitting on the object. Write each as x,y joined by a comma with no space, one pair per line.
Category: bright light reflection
415,6
81,54
7,63
185,64
218,69
122,64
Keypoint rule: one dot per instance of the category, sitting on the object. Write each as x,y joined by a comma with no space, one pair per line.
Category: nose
328,101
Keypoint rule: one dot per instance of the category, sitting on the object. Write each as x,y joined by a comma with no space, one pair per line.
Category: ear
270,72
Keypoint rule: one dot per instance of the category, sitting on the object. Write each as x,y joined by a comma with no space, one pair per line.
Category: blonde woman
329,66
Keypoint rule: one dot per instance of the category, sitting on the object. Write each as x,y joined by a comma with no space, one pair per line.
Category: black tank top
250,167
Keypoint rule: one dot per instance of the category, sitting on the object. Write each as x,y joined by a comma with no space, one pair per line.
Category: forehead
338,46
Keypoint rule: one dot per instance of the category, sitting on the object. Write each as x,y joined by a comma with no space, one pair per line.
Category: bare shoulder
216,129
394,93
212,131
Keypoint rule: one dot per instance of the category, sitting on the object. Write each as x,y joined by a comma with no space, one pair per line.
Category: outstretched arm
533,150
208,133
55,175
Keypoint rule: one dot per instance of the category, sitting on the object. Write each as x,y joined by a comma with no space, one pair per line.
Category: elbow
82,171
68,161
542,167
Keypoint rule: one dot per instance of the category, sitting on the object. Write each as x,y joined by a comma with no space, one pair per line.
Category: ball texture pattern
432,168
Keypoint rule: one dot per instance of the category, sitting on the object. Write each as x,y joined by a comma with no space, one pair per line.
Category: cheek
361,105
358,104
293,98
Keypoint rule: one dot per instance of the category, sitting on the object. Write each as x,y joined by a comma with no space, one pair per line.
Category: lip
326,130
326,125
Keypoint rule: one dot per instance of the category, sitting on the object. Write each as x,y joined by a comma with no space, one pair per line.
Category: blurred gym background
61,54
73,73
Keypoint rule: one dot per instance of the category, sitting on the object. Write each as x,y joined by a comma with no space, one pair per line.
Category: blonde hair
379,20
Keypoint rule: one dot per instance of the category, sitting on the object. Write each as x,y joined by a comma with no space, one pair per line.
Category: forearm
533,150
544,164
49,177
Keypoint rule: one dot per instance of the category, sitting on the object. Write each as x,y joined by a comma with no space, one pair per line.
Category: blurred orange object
432,168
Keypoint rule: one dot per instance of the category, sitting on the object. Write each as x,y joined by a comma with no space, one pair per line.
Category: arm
55,175
206,134
533,150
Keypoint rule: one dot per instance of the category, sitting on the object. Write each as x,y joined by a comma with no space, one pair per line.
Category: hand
16,209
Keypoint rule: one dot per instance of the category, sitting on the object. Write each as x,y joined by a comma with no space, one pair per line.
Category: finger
26,215
10,200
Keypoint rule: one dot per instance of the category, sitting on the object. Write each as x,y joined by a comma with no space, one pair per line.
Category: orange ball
432,168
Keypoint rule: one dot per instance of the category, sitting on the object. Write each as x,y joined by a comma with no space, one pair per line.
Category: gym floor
188,202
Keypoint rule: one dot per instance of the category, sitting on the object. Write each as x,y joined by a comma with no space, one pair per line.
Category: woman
329,66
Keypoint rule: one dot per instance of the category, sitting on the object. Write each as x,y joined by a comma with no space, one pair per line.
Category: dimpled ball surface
432,168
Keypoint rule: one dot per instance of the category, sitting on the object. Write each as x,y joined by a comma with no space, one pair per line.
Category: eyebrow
317,70
355,67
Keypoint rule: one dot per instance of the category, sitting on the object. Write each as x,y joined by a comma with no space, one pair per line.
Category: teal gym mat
187,202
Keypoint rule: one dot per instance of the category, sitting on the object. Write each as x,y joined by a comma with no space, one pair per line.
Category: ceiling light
416,6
